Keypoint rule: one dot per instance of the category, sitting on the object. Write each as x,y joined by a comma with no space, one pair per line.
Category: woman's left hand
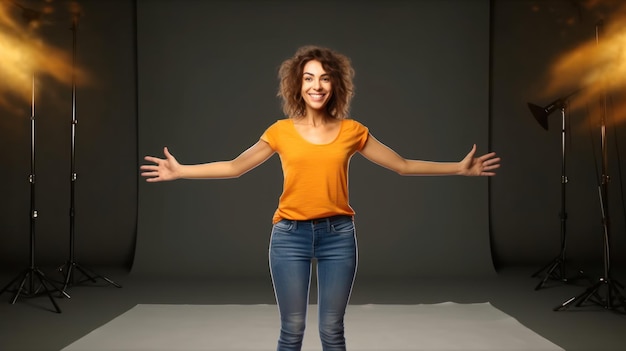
479,166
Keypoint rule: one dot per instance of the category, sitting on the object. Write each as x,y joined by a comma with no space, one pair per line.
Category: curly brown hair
338,67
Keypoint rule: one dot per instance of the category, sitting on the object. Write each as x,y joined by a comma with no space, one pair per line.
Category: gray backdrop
207,86
432,78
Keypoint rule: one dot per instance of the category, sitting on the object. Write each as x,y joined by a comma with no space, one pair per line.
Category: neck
314,118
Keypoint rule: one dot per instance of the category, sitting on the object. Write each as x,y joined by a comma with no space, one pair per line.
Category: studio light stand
612,299
26,279
71,265
557,268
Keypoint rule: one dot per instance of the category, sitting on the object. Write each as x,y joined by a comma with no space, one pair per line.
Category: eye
326,79
308,78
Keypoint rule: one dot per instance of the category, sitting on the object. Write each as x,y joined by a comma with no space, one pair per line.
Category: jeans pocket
345,226
284,226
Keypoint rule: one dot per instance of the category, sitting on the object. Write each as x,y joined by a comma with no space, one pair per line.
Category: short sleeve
361,133
269,136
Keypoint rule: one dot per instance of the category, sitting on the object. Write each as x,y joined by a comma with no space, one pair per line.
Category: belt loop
294,224
328,224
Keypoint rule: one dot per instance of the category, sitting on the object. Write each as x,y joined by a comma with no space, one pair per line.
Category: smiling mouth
317,97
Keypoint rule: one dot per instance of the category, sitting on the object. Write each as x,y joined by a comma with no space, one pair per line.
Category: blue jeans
294,246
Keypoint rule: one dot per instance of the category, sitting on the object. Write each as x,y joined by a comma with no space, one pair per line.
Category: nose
317,84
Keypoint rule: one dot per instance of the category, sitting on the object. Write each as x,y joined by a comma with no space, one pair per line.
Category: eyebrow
311,74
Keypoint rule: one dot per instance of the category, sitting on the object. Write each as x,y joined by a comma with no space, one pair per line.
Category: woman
314,220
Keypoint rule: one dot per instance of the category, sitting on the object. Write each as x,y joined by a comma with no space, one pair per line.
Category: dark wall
207,86
218,98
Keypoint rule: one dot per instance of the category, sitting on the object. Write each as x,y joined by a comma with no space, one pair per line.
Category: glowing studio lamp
541,113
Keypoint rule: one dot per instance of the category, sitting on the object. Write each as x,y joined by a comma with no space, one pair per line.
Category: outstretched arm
384,156
169,168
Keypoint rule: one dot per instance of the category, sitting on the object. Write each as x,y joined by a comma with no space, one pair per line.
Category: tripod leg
548,275
89,276
565,304
42,276
13,281
584,296
69,276
591,292
20,288
87,273
43,280
542,269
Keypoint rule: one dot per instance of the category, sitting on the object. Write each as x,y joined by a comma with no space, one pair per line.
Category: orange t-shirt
315,175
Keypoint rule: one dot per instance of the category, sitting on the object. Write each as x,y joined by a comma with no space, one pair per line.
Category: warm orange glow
598,67
25,54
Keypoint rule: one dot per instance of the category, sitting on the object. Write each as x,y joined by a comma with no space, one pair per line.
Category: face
316,85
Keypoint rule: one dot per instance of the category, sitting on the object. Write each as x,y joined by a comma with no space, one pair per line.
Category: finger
472,151
492,167
152,177
166,152
149,168
152,159
492,161
487,156
150,174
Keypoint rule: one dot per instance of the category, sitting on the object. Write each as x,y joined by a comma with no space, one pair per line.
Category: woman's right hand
162,169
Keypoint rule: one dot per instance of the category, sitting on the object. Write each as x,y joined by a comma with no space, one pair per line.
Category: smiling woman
314,222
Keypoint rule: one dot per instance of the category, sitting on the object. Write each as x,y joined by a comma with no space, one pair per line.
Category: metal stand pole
556,269
613,298
29,274
71,265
